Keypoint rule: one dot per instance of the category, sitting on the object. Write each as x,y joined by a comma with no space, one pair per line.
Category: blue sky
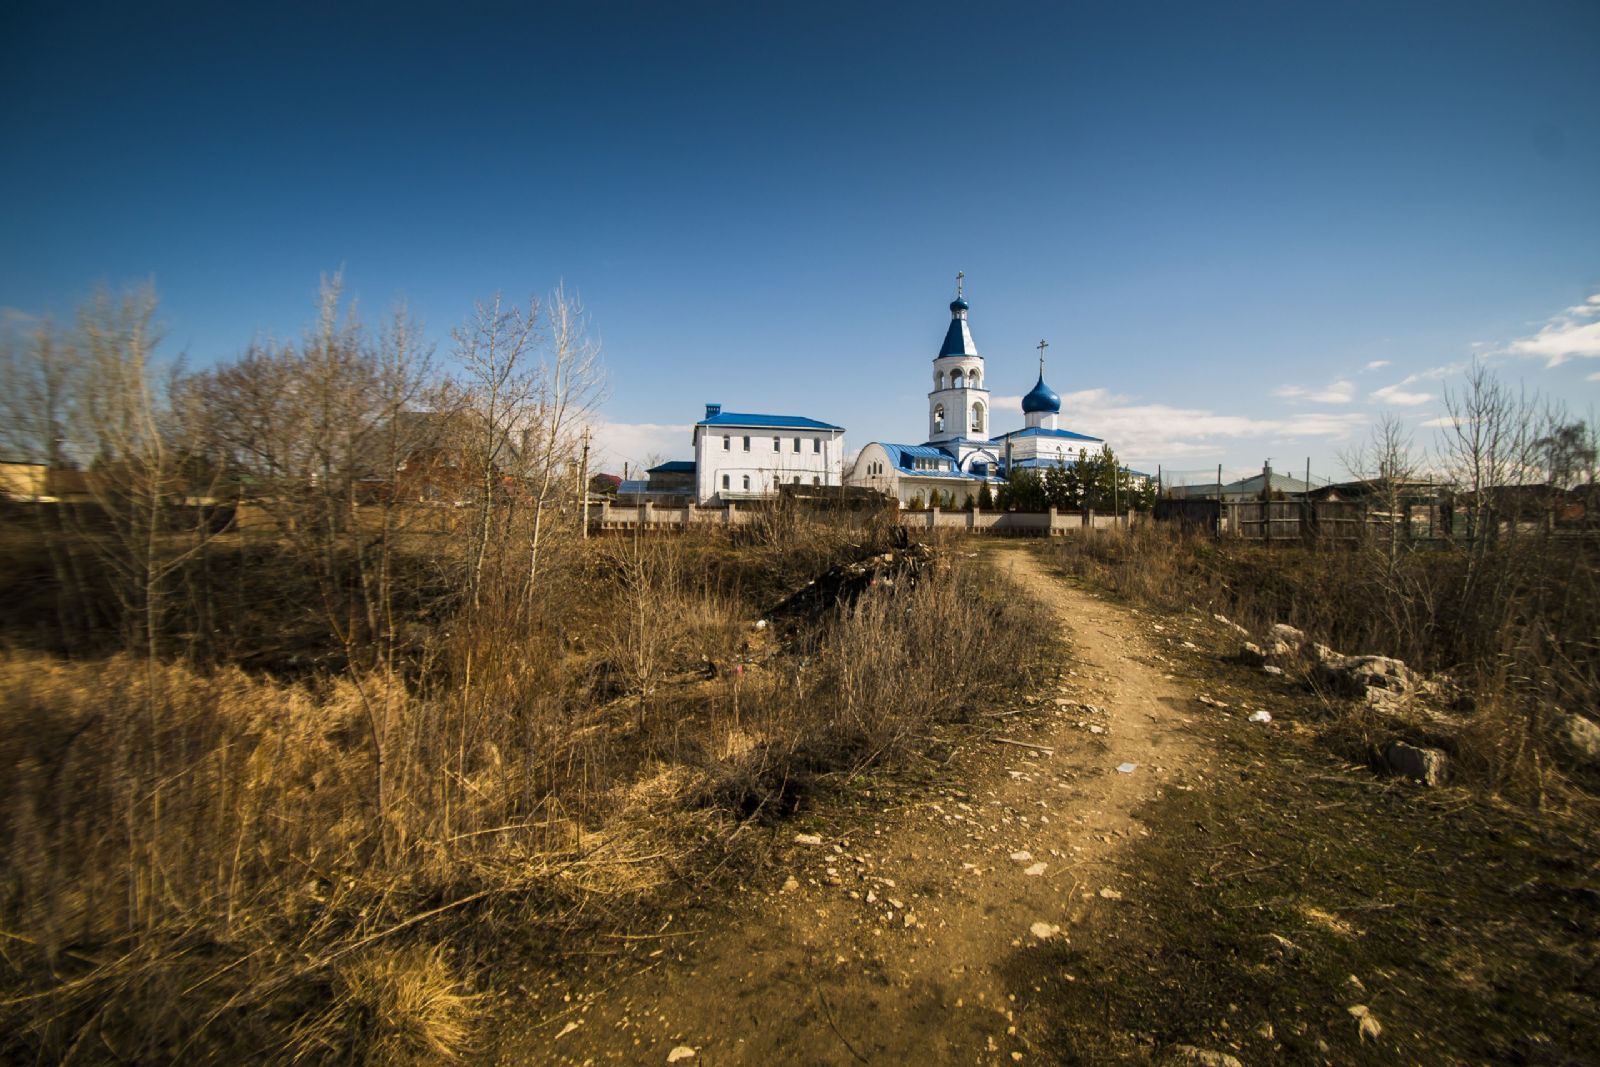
1245,229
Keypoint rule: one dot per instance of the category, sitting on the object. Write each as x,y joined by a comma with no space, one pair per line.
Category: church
962,453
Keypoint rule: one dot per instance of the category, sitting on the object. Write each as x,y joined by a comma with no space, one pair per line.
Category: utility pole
583,486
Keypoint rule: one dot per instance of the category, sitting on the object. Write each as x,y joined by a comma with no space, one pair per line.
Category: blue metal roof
1041,398
776,422
1040,431
902,455
922,451
673,466
957,339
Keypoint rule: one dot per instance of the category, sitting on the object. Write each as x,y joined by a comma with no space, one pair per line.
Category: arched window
938,418
938,380
977,418
972,380
747,482
955,378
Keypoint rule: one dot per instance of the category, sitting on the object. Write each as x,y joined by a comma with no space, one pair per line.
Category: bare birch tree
570,385
495,348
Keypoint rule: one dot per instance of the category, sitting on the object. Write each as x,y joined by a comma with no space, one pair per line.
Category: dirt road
908,941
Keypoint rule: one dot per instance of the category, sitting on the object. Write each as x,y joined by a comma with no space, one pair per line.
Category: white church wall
874,470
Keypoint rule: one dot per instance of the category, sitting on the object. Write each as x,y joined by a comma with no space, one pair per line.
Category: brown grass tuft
391,1007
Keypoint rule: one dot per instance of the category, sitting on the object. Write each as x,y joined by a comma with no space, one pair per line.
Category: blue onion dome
958,304
1041,398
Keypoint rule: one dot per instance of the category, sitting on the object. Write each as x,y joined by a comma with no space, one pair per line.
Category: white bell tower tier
958,405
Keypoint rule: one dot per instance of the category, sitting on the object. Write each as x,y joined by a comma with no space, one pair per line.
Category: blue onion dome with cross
1041,399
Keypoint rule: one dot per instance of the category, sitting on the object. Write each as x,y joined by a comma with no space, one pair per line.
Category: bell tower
958,404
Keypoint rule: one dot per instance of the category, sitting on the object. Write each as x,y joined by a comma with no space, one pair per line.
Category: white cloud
1340,392
635,443
1377,364
1567,336
1147,433
1440,422
1595,377
1396,394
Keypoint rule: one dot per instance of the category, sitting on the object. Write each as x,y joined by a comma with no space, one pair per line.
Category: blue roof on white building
1039,431
673,466
902,456
715,416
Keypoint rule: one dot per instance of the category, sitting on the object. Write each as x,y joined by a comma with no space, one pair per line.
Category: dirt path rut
907,941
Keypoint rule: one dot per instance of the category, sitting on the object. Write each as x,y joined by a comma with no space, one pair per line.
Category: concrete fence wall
607,516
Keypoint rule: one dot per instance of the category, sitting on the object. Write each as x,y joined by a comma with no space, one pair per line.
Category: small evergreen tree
985,498
1027,491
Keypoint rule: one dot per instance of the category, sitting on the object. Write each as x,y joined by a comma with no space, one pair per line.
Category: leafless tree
1488,443
39,378
569,386
495,348
140,475
1386,461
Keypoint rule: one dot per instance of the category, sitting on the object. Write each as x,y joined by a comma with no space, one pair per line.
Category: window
724,477
777,444
814,480
747,444
955,378
797,444
938,418
747,482
977,418
816,444
727,442
796,479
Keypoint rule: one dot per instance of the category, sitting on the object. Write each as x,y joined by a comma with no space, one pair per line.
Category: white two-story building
746,457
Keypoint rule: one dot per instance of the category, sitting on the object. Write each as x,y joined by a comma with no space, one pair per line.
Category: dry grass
208,863
1512,624
396,1007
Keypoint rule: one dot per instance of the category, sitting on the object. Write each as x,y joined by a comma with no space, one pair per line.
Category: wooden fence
1335,520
